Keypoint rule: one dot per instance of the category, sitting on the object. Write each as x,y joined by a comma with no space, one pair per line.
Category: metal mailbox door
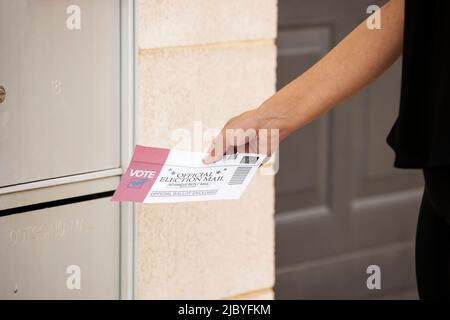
60,72
65,252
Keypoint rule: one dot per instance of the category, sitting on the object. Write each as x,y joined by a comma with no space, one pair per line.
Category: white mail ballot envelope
157,175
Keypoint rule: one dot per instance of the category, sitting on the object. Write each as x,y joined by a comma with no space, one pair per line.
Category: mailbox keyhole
2,94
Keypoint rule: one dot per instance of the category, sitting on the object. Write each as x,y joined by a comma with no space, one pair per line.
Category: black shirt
420,136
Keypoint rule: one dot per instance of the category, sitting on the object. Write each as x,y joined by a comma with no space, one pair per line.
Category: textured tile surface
266,294
180,86
204,250
167,23
208,250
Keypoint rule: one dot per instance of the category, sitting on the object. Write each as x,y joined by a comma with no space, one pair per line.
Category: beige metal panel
59,188
43,252
61,113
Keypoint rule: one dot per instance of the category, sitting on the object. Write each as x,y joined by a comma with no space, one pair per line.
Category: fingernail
207,159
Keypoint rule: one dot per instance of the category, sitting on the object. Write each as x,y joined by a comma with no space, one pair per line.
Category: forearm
357,60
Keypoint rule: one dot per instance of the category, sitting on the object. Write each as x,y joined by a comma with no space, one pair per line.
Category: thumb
216,150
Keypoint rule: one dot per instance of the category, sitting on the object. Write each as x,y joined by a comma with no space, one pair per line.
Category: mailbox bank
66,106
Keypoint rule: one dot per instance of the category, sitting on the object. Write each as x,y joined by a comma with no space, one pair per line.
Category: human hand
253,131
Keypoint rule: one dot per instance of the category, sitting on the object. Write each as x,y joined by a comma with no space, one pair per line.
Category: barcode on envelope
239,175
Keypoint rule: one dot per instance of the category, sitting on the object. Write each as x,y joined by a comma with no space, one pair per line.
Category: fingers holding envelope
244,133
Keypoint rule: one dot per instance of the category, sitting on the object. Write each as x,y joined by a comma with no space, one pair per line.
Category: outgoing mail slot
60,70
68,252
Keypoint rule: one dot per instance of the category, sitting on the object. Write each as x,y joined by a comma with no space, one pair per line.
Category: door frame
127,134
